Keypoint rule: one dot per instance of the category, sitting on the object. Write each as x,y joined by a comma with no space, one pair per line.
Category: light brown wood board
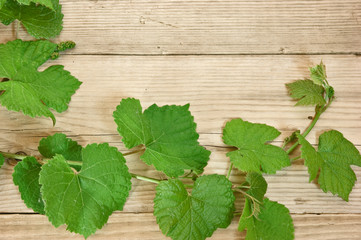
209,27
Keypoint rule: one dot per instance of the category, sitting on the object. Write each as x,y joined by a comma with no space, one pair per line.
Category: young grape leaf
318,74
39,20
60,144
168,133
273,222
258,186
2,160
333,159
306,92
196,216
26,176
28,90
253,154
47,3
257,190
85,200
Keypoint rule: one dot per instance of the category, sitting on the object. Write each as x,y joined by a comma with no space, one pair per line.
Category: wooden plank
209,27
289,186
218,88
143,226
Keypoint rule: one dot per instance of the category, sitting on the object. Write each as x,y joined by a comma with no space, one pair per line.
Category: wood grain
228,59
209,27
143,226
218,89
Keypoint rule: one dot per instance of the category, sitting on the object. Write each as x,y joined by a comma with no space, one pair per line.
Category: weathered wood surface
143,226
209,27
219,88
245,80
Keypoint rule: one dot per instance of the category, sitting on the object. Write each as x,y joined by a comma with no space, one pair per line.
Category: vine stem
78,163
295,158
17,29
147,179
312,124
229,170
13,155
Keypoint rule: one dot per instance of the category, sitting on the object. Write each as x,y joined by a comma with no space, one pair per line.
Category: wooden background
228,59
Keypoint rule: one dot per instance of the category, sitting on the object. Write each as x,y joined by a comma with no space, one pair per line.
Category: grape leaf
195,216
28,90
2,160
258,186
306,92
273,222
318,74
253,154
60,144
333,159
47,3
39,20
85,200
26,176
168,133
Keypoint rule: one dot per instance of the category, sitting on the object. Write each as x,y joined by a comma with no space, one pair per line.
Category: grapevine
81,186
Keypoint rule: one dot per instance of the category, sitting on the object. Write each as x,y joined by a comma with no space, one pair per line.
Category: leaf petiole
13,155
78,163
17,29
229,170
295,158
147,179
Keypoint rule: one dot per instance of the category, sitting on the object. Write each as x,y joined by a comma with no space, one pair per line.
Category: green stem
308,129
12,155
17,29
295,158
229,170
133,152
78,163
147,179
317,116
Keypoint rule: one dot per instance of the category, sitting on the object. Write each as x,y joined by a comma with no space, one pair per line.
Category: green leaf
273,222
196,216
28,90
2,160
333,159
60,144
39,20
85,200
26,177
318,74
258,186
2,2
254,154
52,4
168,133
306,92
257,190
